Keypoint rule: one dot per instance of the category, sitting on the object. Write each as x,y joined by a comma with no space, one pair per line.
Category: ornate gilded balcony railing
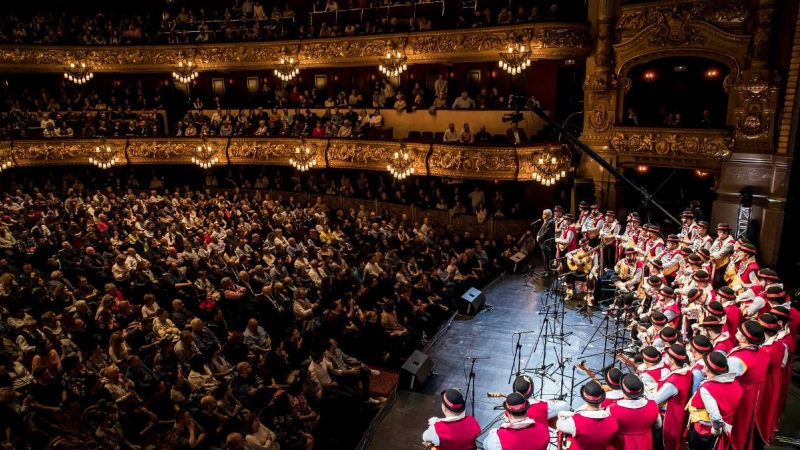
698,148
493,162
547,41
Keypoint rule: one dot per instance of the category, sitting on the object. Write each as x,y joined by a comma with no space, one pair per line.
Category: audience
221,313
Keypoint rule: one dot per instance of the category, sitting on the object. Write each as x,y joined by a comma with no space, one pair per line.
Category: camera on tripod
514,117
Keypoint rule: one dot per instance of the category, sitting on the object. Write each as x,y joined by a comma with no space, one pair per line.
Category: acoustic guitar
582,260
721,262
629,362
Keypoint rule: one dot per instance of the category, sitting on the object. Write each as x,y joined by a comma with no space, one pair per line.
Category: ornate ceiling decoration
635,18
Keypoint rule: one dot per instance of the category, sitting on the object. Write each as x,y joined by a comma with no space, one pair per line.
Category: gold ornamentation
600,119
561,38
670,144
676,30
480,164
433,44
637,17
59,151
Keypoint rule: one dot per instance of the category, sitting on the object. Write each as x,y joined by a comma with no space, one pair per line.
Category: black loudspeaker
415,371
472,301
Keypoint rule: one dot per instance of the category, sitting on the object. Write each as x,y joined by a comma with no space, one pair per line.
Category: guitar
582,260
582,367
721,262
629,362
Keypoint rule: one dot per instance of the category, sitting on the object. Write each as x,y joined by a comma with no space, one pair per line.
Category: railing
550,40
671,141
475,161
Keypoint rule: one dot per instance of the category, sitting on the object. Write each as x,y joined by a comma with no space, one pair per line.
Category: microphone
535,222
478,357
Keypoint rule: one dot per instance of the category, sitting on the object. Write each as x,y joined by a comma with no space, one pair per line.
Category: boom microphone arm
648,198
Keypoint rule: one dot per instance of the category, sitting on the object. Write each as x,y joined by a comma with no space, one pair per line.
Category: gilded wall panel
35,152
172,151
449,160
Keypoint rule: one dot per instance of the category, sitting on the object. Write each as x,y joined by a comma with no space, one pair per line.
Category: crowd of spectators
257,21
179,319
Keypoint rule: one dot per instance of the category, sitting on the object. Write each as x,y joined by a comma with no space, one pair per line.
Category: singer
545,237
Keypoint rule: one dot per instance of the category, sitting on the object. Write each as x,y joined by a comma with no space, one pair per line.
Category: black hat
694,294
654,281
667,291
695,259
769,322
593,393
569,216
700,275
782,313
723,227
524,385
752,331
687,214
710,321
651,354
583,205
769,274
558,208
716,362
775,293
613,377
673,238
454,400
703,224
583,241
726,292
669,335
658,318
716,309
678,353
632,386
701,343
630,250
704,253
516,404
749,248
686,251
657,264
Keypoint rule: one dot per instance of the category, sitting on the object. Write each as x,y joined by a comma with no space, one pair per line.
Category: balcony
475,161
701,148
551,40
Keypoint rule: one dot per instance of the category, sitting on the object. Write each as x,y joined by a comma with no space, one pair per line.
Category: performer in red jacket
749,364
636,416
456,431
591,427
769,403
673,392
519,432
712,407
542,411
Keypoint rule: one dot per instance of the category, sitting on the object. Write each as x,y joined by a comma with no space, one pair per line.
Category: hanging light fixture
549,166
6,161
288,67
78,73
393,64
516,59
304,157
401,164
104,156
185,72
205,156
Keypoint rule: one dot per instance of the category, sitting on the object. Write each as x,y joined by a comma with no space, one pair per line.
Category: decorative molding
727,14
43,152
672,142
786,131
468,162
551,40
756,103
171,151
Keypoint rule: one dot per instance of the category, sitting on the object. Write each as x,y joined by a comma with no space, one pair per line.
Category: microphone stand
471,381
516,357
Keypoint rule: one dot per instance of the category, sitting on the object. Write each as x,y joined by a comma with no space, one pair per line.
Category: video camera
514,117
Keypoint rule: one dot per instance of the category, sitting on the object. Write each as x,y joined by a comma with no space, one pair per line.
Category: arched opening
676,91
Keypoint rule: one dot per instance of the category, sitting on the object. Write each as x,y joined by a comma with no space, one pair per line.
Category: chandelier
288,68
304,158
78,73
104,156
549,166
516,59
6,161
185,72
205,156
393,64
401,165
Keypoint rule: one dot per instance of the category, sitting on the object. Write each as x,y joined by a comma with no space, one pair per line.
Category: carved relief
600,119
762,38
604,54
561,38
674,31
433,44
668,144
636,18
60,152
755,110
482,164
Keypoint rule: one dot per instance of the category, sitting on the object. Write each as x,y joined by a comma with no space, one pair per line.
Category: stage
514,306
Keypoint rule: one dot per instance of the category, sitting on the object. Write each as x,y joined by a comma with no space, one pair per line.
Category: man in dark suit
545,237
516,135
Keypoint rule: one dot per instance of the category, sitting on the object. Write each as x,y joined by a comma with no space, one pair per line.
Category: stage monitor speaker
472,301
415,371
